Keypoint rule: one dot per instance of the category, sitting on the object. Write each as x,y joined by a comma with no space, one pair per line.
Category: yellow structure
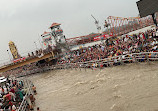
13,50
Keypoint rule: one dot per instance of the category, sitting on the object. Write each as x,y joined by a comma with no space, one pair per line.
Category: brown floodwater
130,87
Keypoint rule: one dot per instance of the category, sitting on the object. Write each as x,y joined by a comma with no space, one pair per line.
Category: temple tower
13,50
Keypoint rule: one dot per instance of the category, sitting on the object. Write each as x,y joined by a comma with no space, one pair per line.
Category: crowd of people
20,70
11,95
111,47
115,46
13,92
27,70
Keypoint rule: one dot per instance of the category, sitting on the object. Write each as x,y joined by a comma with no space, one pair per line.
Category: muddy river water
130,87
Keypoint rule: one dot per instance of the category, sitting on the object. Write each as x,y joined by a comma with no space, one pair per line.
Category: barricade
134,58
116,60
127,58
24,103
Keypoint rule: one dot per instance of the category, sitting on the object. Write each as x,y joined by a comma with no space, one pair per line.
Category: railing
6,63
24,103
40,53
122,59
134,57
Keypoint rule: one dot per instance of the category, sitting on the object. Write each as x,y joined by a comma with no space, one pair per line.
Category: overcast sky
23,21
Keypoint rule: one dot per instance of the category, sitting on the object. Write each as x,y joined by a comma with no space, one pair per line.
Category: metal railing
134,57
43,52
122,59
24,103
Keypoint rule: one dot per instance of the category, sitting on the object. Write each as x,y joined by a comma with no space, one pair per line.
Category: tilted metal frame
121,26
118,26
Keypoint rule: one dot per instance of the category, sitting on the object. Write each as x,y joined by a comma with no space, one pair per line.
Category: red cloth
10,103
12,90
101,65
8,96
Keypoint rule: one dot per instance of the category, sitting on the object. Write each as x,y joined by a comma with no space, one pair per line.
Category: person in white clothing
1,91
5,90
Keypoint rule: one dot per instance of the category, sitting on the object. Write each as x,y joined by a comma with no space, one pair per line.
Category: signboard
101,37
19,60
97,38
147,7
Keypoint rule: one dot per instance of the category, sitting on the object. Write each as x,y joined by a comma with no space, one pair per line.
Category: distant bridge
25,62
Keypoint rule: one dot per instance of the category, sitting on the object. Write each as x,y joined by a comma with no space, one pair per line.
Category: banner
102,37
17,60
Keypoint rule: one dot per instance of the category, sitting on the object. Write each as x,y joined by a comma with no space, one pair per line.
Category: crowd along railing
134,57
121,59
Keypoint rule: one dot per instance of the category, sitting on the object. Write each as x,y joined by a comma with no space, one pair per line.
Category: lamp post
9,55
40,42
35,45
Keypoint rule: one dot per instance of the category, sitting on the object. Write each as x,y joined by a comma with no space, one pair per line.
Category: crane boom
97,24
94,18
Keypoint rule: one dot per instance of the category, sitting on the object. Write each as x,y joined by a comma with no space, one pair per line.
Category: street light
35,45
40,42
9,55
